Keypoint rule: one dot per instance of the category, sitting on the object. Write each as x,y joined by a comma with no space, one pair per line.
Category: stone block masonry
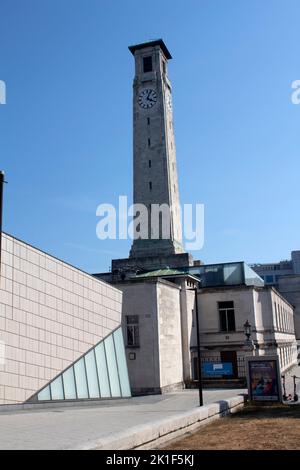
50,314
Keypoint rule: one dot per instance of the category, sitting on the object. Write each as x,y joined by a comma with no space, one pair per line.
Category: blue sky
66,130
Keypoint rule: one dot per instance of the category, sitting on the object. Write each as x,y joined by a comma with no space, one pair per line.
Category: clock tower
154,155
158,233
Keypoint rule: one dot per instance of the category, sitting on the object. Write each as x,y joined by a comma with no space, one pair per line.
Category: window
149,142
150,185
148,121
149,163
133,334
226,313
164,66
147,64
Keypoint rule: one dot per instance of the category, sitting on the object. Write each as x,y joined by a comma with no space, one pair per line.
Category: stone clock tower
154,155
154,162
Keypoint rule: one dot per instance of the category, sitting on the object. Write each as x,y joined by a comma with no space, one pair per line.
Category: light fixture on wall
249,343
247,330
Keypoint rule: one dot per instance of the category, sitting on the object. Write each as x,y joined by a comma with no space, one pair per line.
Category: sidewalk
80,426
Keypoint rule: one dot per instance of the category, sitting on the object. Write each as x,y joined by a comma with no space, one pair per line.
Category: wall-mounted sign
264,378
215,369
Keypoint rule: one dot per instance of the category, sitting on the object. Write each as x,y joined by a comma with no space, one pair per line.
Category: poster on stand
263,376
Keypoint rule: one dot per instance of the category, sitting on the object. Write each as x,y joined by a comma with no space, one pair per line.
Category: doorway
230,356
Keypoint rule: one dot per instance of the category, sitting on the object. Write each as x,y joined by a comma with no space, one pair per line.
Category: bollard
284,397
295,388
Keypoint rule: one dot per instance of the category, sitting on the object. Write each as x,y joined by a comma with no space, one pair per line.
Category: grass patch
274,427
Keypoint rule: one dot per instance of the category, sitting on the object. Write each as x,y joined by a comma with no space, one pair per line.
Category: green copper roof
162,272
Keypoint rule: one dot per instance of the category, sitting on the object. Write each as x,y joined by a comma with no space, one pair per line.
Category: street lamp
195,289
247,330
249,343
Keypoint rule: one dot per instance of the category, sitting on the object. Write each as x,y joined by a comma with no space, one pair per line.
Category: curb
155,433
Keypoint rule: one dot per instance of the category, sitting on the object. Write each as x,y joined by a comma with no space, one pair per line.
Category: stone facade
166,355
155,364
154,155
50,314
271,317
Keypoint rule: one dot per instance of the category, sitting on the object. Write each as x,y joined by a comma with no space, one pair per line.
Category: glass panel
233,274
251,277
224,305
44,394
92,375
80,377
112,367
57,392
69,384
132,319
122,365
231,320
147,64
102,371
223,324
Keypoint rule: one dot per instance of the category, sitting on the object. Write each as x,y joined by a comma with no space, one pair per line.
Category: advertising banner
264,379
212,369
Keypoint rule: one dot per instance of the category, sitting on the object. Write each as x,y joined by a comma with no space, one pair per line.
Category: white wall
170,339
141,299
257,305
158,360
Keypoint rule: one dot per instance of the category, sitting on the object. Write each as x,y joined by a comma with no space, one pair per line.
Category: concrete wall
50,314
187,300
141,299
158,360
169,328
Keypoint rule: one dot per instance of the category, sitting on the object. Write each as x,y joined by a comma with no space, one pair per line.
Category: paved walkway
70,427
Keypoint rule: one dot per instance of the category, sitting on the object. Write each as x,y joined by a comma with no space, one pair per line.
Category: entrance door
230,356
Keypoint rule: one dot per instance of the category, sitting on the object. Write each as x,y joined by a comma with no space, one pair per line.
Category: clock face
147,98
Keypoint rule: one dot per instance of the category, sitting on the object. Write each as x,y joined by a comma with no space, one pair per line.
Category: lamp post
295,387
284,396
195,289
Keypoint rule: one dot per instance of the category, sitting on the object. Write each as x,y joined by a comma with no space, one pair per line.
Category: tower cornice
157,42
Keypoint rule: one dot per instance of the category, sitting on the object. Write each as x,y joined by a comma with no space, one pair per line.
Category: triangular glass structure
100,373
